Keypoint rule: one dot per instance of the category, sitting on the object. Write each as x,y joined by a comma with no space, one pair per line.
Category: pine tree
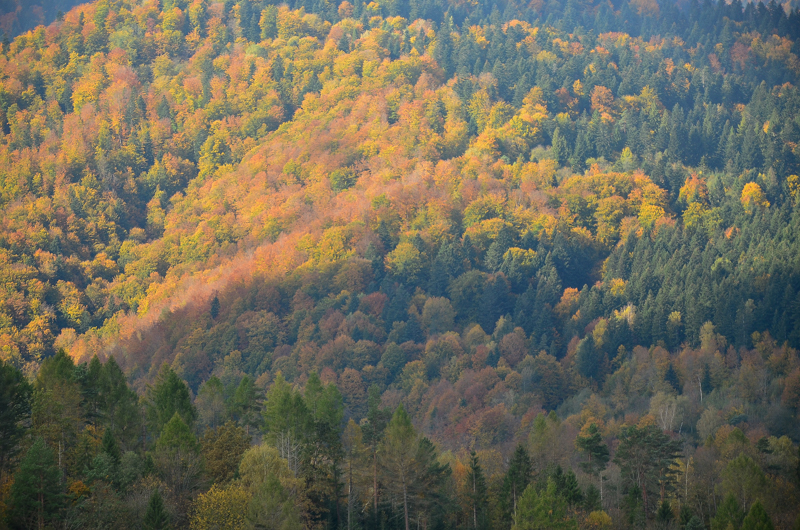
596,450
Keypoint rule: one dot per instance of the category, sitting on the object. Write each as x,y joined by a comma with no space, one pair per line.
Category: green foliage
15,409
36,494
477,493
595,448
544,509
517,478
757,519
645,456
222,449
728,514
176,435
156,517
167,397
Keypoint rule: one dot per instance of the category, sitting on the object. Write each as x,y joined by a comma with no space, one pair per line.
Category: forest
404,264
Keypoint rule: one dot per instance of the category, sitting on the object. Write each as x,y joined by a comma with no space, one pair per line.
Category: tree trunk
514,495
405,501
474,503
41,511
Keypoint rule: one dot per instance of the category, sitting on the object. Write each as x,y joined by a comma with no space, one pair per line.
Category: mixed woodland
412,263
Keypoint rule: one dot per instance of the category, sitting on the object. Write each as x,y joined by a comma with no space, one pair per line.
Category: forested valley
407,264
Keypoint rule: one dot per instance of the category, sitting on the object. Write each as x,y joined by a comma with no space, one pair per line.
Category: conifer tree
15,408
167,397
477,493
398,459
36,494
757,518
596,450
543,510
156,517
728,514
516,480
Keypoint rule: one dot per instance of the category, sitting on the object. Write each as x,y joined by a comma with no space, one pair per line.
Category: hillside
522,223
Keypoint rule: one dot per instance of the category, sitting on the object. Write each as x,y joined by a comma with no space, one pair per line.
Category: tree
543,510
15,409
119,405
516,480
757,519
156,517
245,405
398,458
477,493
743,478
437,315
222,449
664,514
220,508
374,429
354,460
753,197
590,441
560,149
168,396
278,498
645,456
111,447
56,414
728,515
210,403
409,469
36,494
176,457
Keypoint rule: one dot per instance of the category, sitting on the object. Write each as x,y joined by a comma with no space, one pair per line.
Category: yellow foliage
793,182
753,197
617,286
599,520
220,508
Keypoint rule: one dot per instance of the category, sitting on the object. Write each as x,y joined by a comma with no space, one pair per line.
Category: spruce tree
168,396
36,494
516,480
477,493
15,408
156,517
757,518
728,514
